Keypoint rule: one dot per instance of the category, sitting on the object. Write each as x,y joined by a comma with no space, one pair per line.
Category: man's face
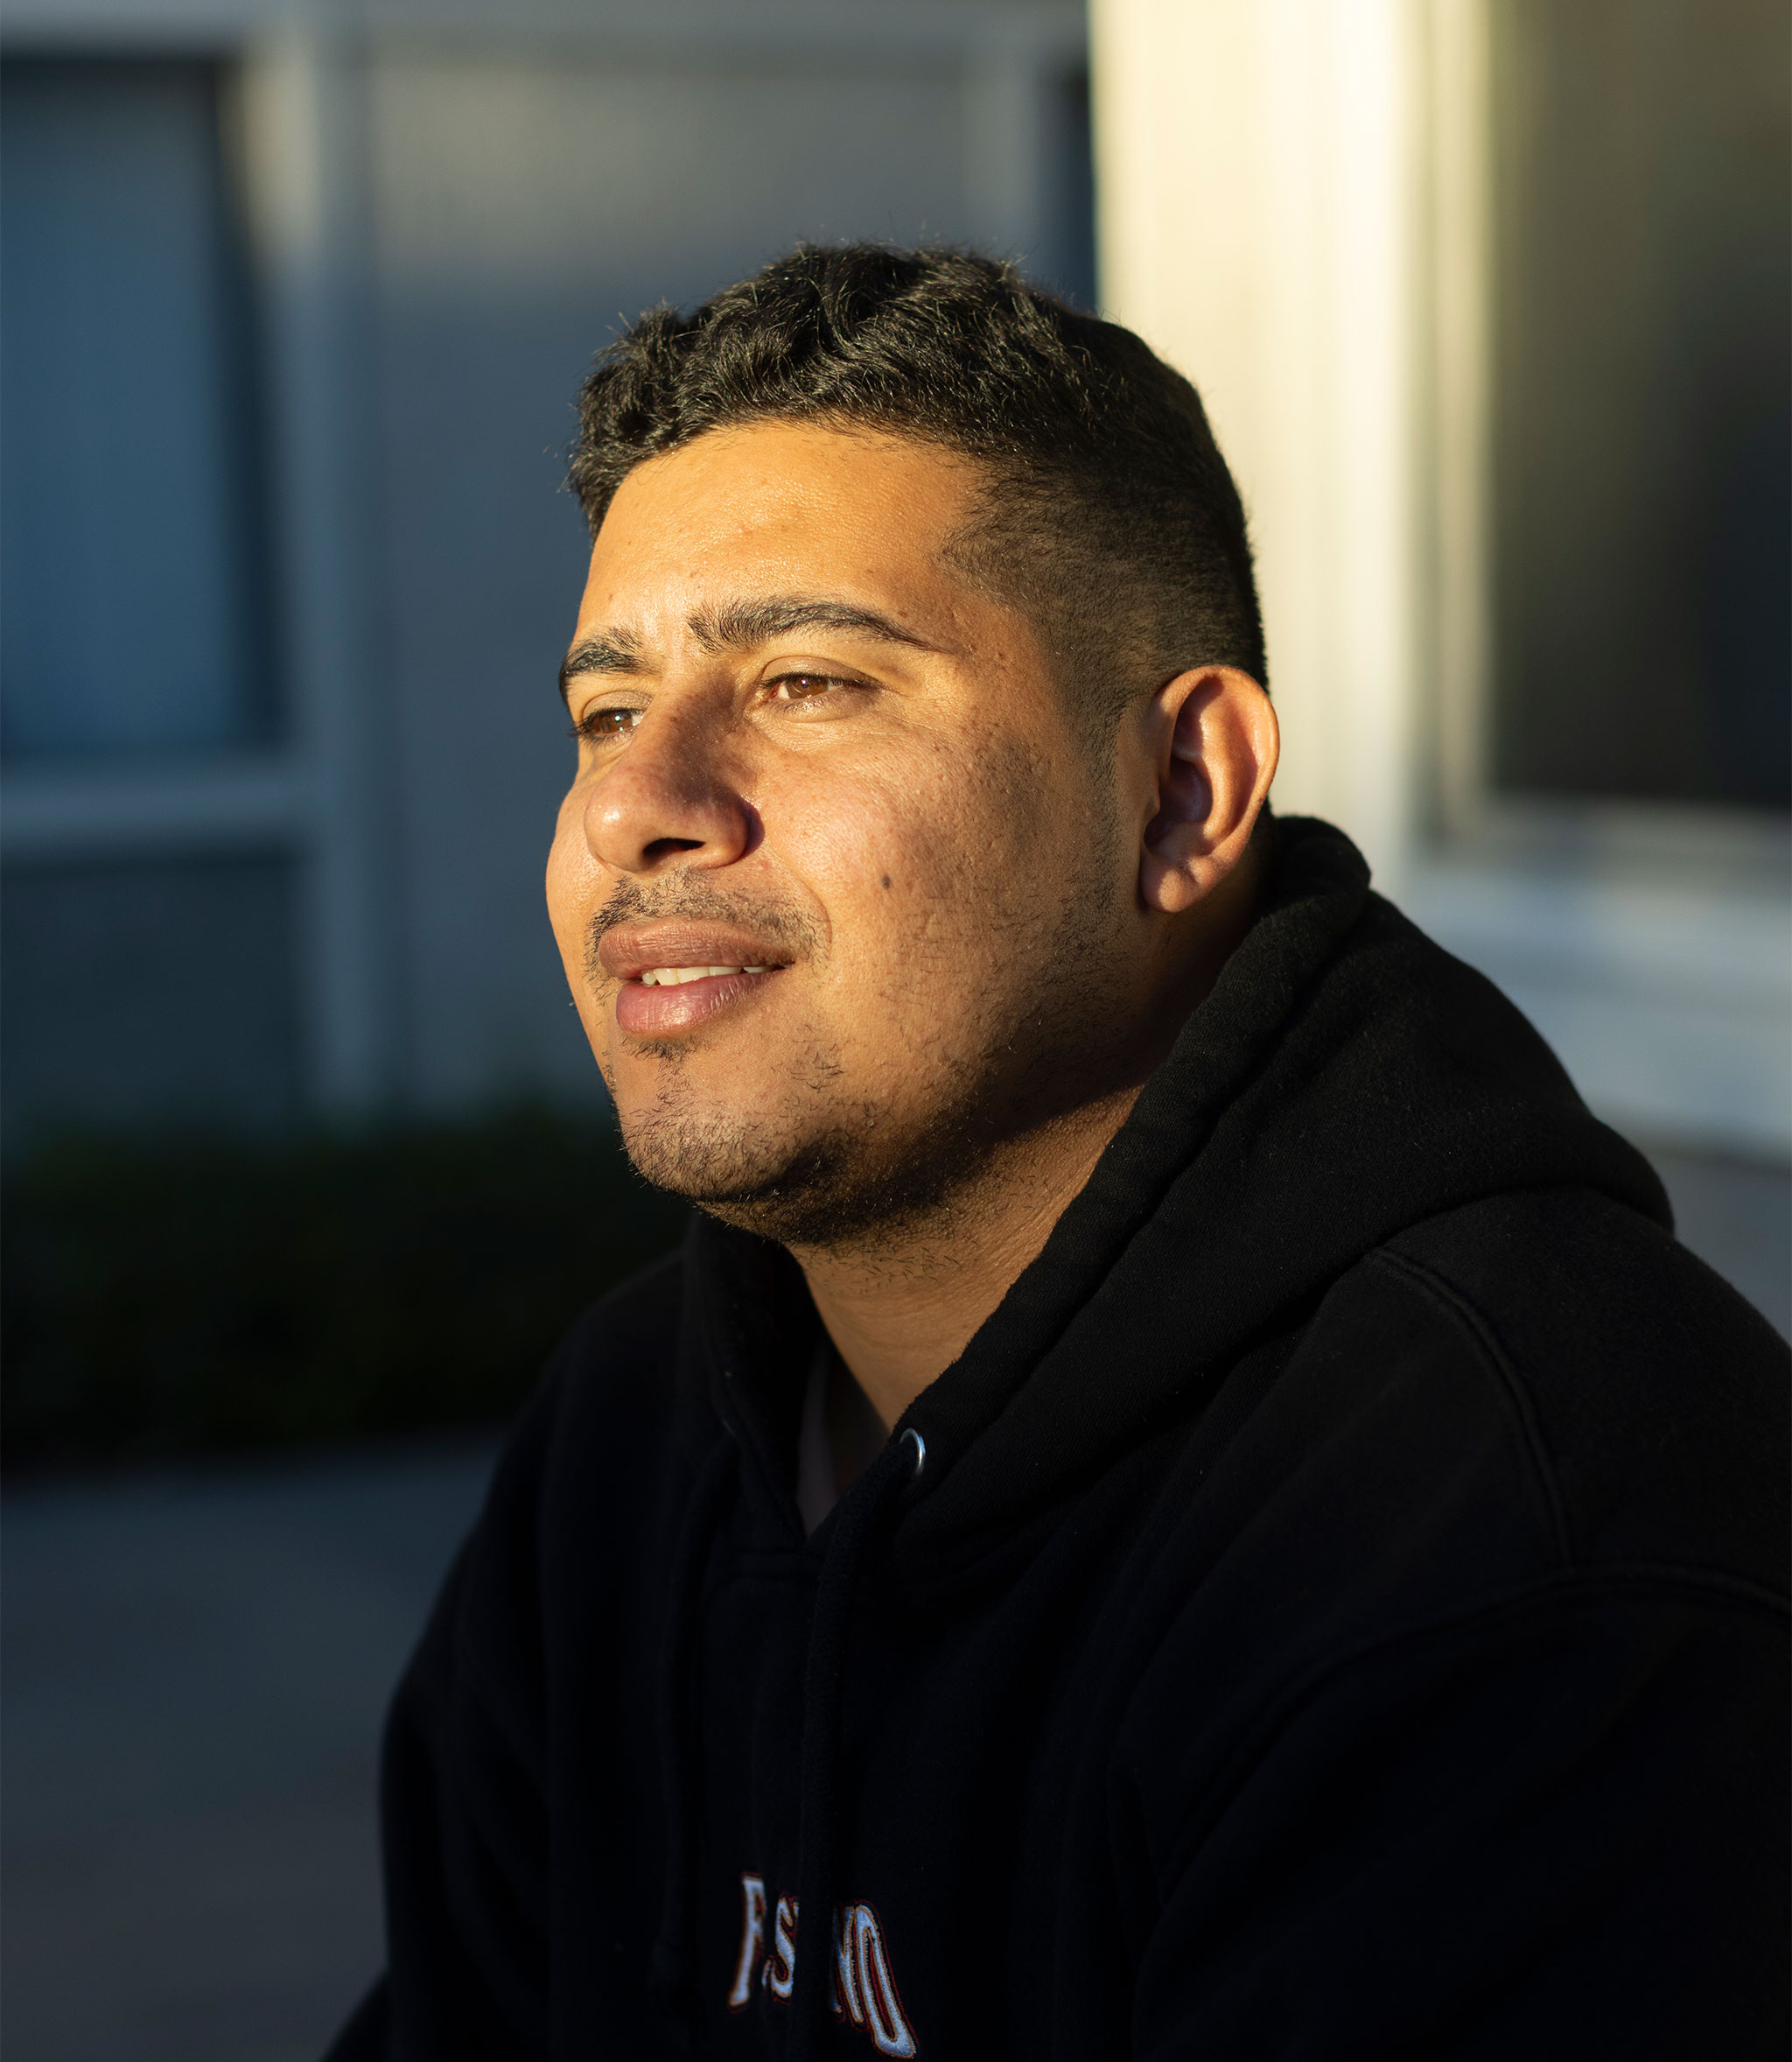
841,900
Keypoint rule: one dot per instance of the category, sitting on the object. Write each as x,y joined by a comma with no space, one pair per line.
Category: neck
902,1312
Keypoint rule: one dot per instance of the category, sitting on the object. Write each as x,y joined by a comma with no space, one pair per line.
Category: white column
305,145
1257,225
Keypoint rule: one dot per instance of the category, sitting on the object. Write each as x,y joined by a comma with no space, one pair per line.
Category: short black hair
1108,513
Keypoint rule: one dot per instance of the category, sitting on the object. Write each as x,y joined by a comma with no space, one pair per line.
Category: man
1181,1497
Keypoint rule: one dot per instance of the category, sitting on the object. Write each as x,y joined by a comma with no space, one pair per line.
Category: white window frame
321,793
330,791
1293,208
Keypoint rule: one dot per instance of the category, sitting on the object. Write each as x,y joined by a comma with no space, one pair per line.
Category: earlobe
1216,743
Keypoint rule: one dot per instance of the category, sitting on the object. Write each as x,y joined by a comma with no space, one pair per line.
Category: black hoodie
1333,1607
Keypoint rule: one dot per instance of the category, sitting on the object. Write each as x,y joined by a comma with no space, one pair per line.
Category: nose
670,799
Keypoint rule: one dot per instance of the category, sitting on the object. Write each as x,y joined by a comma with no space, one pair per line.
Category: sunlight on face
838,902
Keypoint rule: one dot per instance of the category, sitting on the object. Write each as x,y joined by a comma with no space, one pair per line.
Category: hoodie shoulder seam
1469,1319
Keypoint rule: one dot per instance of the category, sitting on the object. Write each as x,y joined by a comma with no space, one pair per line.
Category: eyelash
587,731
829,680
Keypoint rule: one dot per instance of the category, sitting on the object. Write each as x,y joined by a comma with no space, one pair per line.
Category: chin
830,1188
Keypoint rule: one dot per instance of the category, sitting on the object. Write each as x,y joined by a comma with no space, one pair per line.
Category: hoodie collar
1346,1078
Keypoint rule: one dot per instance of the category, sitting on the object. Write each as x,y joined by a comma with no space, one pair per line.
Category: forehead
792,505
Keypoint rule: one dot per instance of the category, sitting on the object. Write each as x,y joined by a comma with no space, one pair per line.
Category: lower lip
662,1012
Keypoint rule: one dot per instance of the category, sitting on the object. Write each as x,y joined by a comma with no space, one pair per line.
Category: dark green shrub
177,1297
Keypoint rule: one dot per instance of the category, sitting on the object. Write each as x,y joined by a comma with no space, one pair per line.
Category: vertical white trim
1259,225
305,143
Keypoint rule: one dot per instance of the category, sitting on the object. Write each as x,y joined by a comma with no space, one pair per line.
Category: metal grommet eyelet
917,1446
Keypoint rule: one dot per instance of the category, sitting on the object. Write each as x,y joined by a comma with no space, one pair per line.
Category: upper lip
629,949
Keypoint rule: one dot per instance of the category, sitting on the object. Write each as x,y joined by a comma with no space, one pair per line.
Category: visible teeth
670,976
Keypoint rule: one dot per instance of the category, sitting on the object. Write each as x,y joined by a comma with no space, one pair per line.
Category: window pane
126,502
148,991
1642,398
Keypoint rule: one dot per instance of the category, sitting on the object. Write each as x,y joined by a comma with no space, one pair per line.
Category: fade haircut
1106,514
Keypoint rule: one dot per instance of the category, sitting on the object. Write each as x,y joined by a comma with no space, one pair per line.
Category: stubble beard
831,1170
860,1176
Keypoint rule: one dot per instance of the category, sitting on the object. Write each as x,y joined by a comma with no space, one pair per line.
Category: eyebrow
609,651
738,625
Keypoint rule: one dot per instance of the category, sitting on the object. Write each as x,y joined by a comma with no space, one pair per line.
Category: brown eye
797,686
601,726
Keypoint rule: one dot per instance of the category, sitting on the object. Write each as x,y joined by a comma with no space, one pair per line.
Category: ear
1215,742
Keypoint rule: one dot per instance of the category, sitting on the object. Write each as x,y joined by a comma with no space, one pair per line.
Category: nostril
650,811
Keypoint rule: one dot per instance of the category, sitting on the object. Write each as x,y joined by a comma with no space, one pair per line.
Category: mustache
631,902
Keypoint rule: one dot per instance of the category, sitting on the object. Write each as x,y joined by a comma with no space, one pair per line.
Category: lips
648,1009
676,974
683,946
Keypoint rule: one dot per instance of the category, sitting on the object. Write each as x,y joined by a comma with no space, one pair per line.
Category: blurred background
305,1160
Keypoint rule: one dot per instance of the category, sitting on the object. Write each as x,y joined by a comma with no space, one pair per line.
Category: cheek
870,850
917,863
572,884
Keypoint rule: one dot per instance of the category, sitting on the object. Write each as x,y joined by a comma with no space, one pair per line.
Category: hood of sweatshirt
1345,1079
1226,1541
